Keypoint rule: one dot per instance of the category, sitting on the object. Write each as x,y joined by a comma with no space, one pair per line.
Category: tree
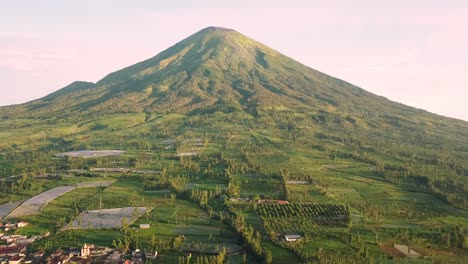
268,257
124,224
465,242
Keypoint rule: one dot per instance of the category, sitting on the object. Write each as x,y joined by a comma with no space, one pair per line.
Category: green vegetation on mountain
263,126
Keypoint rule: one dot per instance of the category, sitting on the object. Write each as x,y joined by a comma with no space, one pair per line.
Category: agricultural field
302,218
313,211
35,204
107,218
91,184
341,208
6,209
91,153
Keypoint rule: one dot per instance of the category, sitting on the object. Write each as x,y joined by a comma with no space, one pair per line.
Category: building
114,258
79,260
86,250
26,241
15,260
59,257
10,225
22,224
292,238
13,238
144,226
39,255
151,255
7,251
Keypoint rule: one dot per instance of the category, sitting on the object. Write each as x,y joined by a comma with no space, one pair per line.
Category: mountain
215,68
218,75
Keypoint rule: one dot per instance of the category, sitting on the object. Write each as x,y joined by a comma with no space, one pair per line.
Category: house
22,224
39,254
25,241
144,226
114,258
151,255
101,251
9,251
187,154
240,199
57,253
282,202
265,201
75,251
292,238
15,238
86,250
15,260
59,257
10,225
79,260
137,254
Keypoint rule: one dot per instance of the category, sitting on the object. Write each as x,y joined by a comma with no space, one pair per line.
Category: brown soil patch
390,250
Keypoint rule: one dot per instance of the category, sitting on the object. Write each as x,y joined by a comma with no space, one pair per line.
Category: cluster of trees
251,237
132,240
23,184
204,259
203,196
449,237
54,242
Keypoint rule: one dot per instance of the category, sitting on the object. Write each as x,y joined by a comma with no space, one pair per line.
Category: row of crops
302,226
330,211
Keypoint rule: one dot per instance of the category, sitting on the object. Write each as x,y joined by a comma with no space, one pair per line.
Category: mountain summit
215,68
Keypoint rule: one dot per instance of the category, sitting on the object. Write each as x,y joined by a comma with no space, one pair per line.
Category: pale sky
410,51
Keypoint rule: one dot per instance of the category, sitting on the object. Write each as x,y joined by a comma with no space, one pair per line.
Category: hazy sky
413,52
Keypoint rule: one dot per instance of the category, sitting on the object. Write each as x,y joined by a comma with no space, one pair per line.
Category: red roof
11,250
16,258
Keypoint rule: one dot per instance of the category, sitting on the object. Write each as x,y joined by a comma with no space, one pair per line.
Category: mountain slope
220,72
218,68
220,115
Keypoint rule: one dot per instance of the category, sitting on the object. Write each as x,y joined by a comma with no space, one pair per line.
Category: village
15,249
16,254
